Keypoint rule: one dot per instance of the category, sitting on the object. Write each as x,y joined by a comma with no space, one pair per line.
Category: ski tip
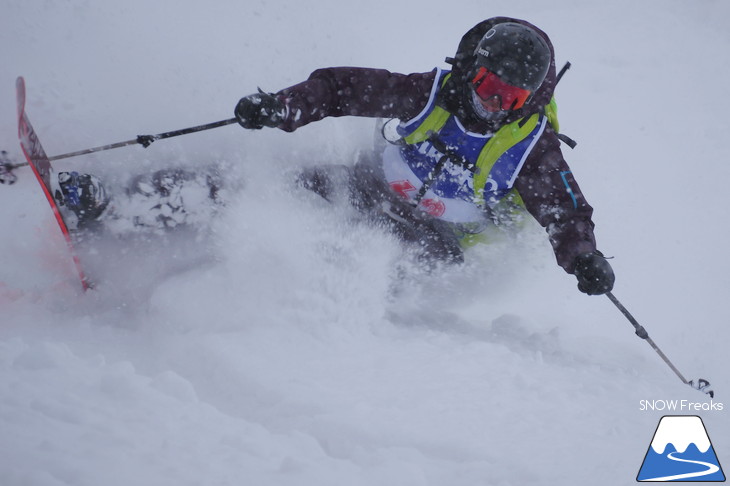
20,96
20,85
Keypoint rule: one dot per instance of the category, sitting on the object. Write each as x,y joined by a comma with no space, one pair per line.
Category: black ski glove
594,273
260,110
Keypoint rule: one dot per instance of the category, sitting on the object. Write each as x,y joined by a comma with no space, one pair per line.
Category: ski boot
82,194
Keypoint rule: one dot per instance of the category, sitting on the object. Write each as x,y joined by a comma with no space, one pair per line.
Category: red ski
38,161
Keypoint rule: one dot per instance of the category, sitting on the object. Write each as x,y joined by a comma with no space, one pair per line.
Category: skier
475,142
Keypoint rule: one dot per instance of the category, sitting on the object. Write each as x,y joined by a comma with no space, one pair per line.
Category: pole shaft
199,128
666,360
641,332
145,140
92,150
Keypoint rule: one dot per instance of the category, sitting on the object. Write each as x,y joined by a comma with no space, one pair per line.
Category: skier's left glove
260,110
594,273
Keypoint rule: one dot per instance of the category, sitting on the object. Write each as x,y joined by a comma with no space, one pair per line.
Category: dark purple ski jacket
545,182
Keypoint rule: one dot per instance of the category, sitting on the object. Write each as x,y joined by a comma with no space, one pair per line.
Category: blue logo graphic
681,451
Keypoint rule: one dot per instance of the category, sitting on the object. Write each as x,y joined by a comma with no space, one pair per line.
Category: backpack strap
551,111
433,123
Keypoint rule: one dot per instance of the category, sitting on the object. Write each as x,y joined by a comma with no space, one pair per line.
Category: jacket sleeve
552,196
350,91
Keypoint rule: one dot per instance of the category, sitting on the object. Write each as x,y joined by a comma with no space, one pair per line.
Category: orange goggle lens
487,85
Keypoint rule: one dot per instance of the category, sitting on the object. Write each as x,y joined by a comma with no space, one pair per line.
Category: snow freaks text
679,406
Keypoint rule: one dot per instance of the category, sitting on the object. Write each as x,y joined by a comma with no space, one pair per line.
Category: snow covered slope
281,348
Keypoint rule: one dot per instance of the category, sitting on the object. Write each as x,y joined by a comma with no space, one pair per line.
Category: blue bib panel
452,195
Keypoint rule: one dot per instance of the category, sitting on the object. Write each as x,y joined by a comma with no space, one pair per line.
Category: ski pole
702,384
144,140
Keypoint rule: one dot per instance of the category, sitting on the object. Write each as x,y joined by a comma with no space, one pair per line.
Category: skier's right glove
260,110
594,273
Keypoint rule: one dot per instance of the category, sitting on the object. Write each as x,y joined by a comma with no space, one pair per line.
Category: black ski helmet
516,53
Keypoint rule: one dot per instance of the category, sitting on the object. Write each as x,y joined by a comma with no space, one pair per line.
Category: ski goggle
486,84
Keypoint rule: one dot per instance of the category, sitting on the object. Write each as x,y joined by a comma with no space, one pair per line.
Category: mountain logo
680,451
